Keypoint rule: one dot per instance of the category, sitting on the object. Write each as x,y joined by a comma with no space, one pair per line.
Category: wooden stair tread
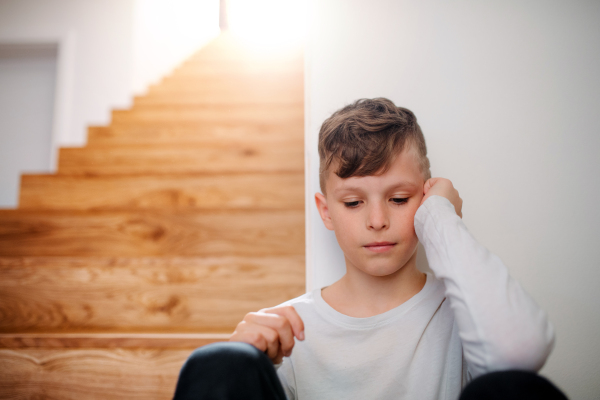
182,215
212,191
239,113
208,97
181,159
146,233
90,373
197,135
191,79
108,340
107,294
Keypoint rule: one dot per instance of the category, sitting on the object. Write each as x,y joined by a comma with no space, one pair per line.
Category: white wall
97,35
27,84
507,94
108,50
166,32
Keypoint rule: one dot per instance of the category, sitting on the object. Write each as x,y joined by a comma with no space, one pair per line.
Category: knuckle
272,336
280,323
241,326
255,338
248,316
286,347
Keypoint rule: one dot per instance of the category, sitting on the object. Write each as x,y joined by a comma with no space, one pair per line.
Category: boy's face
373,216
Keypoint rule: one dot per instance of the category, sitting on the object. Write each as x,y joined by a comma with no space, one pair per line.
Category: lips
379,247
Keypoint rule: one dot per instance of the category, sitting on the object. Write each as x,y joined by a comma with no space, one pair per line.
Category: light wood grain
138,233
178,294
241,113
178,218
205,95
194,135
238,81
229,48
109,340
90,373
180,159
245,68
177,192
194,68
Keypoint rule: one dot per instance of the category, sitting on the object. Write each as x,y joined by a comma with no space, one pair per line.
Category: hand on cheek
443,187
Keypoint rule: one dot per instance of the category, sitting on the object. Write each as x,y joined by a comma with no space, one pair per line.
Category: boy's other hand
271,330
443,187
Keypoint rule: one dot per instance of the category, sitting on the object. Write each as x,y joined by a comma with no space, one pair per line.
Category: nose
378,218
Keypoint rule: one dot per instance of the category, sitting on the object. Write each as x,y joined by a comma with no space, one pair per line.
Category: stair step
242,113
228,48
205,93
90,373
237,70
109,340
151,294
151,233
204,98
282,191
242,68
191,78
207,135
181,159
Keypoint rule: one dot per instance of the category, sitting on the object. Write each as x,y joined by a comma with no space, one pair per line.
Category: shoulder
306,306
307,299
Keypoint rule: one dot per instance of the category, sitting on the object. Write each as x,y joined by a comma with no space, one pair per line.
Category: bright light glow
266,24
166,32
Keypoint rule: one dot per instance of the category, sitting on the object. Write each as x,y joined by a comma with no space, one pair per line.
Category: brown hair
364,137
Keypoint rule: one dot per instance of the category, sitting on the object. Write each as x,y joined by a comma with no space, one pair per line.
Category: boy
384,330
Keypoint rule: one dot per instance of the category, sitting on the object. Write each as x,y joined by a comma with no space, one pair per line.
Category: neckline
338,318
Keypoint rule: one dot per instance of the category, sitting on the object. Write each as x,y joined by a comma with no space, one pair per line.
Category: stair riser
28,233
142,295
180,159
279,114
175,97
90,373
209,135
212,192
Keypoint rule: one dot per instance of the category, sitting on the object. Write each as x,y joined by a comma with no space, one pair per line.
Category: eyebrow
398,185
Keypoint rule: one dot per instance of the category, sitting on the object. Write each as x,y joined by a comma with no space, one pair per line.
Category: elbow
528,351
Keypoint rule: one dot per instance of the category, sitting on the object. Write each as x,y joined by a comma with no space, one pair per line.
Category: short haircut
365,137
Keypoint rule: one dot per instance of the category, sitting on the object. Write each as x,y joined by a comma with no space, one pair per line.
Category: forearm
500,325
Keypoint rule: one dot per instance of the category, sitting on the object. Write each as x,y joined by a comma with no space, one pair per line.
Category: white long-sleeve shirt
469,319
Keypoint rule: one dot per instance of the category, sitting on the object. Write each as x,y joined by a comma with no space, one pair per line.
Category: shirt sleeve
500,325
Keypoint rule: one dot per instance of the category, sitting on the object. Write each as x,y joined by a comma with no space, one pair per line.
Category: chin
381,271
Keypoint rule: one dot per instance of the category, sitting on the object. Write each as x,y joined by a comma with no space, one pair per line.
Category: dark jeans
231,371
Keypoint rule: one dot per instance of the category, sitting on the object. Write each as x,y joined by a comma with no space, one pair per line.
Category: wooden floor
179,217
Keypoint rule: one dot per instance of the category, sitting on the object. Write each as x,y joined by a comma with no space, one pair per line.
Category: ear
323,210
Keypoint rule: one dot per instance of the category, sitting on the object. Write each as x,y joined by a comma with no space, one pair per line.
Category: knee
512,384
222,356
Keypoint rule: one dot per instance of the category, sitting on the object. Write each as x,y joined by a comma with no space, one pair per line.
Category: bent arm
500,325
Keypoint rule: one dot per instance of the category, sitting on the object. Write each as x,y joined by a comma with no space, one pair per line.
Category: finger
245,333
292,316
279,358
278,323
430,182
262,337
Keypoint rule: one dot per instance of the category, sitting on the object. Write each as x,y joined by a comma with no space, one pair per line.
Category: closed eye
352,204
397,200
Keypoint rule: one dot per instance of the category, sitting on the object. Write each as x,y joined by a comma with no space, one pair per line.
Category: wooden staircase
177,219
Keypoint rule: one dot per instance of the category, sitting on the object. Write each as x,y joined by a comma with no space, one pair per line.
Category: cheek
407,221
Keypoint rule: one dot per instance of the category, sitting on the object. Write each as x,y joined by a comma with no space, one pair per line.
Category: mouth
379,247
